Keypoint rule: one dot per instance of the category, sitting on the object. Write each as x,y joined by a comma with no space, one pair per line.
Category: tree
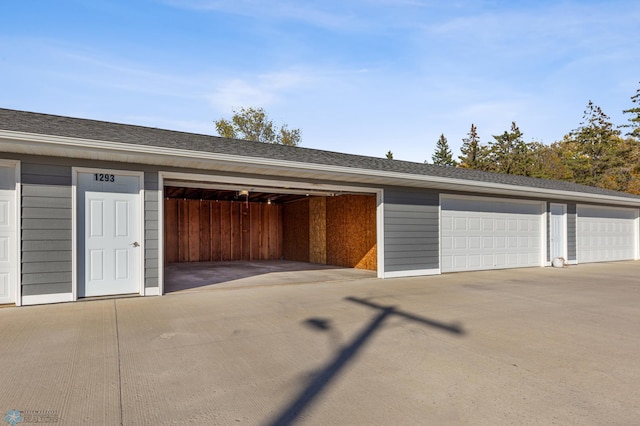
472,152
546,162
253,124
594,147
389,155
443,156
509,154
634,120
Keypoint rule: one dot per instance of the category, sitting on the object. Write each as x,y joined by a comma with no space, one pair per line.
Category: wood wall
203,230
296,230
318,230
337,231
351,231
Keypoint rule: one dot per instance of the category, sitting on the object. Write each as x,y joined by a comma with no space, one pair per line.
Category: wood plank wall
296,230
204,230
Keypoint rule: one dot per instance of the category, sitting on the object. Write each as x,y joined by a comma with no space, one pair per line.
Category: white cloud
314,13
236,93
272,88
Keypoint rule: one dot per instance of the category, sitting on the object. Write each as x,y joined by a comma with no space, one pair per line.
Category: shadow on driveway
347,354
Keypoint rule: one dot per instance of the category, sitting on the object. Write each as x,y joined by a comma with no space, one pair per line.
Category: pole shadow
347,354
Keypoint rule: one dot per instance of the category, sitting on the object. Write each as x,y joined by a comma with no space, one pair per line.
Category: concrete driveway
529,346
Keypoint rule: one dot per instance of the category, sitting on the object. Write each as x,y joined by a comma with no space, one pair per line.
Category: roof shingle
47,124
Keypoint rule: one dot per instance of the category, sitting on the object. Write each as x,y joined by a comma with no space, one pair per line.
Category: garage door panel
606,234
489,234
462,224
446,223
460,243
487,242
447,243
474,243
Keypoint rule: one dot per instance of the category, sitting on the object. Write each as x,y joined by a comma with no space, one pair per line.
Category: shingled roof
54,125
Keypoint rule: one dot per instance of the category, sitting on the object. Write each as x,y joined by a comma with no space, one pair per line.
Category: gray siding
571,232
151,231
46,229
411,235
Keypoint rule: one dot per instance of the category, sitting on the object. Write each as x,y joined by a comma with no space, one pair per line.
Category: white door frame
565,245
17,243
75,258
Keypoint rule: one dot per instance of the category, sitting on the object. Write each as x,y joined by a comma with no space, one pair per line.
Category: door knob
136,244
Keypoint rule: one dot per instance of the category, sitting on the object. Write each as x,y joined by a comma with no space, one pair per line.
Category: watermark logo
13,417
23,417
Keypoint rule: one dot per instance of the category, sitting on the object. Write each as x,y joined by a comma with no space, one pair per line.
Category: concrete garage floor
531,346
215,275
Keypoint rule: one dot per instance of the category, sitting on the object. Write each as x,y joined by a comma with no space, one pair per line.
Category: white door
8,235
558,231
606,234
109,234
481,234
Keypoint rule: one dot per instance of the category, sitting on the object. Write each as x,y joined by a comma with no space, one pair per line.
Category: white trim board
152,291
43,299
412,273
161,262
258,184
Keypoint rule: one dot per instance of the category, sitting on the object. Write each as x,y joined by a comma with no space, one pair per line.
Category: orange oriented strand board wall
351,231
318,230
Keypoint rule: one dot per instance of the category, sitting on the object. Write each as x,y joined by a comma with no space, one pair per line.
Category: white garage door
490,234
606,234
8,234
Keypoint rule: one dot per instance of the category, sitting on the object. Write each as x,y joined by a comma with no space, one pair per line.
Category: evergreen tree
389,155
443,155
472,152
634,120
595,147
509,154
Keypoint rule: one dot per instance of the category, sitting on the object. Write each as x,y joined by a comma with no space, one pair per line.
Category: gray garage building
91,208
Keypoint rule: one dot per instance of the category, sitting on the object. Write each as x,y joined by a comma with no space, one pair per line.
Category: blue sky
359,76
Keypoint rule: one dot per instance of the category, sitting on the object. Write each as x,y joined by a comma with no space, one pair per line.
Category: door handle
136,244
